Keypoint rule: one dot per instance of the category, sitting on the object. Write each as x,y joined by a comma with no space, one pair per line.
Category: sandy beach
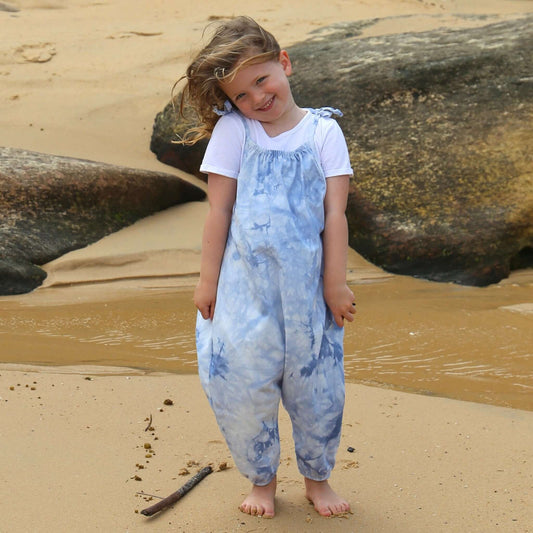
73,446
89,357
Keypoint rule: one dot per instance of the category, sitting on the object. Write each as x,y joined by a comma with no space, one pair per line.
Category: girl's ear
285,62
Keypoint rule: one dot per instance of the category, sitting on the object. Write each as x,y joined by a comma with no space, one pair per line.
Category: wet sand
436,339
87,358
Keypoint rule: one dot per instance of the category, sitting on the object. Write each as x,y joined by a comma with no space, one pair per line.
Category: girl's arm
337,294
221,192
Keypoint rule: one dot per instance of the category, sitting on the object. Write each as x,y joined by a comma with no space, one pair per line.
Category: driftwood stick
175,496
149,424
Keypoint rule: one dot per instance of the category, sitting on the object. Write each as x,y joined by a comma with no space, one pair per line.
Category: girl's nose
257,96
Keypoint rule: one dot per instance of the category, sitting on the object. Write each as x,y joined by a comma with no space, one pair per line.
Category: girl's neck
289,121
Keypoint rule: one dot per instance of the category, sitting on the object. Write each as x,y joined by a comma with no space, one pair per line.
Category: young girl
272,295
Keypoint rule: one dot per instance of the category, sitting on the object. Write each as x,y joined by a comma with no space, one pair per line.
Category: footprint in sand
350,464
36,53
128,34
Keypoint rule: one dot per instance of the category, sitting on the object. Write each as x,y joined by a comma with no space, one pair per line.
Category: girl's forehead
251,70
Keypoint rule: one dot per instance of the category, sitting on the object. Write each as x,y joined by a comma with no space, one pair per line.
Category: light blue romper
272,335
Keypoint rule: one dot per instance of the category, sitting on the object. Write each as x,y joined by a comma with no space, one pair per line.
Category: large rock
440,136
50,205
439,128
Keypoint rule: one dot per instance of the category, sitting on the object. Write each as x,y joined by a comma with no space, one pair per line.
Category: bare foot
260,501
326,501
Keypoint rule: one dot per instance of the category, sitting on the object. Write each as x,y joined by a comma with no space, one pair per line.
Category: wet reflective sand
460,342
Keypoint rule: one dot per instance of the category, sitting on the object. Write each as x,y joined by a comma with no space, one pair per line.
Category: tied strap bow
228,108
326,112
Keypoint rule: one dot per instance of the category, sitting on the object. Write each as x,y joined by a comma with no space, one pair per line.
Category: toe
324,511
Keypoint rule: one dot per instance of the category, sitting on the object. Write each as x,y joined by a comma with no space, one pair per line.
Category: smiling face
261,91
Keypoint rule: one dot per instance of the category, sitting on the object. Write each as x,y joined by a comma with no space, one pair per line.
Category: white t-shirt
224,151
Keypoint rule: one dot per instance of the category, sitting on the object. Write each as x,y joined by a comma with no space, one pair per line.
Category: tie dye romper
272,336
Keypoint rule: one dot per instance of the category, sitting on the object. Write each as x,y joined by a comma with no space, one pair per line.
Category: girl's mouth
268,105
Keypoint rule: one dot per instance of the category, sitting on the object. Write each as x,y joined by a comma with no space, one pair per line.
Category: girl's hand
340,300
205,296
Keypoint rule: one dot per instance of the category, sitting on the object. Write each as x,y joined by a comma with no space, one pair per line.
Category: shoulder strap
322,112
245,123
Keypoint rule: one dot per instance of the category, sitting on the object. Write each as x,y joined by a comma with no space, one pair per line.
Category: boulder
440,134
439,129
50,205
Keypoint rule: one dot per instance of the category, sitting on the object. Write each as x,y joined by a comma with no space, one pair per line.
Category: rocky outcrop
439,128
50,205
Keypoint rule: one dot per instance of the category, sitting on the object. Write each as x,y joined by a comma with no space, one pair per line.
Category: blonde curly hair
236,43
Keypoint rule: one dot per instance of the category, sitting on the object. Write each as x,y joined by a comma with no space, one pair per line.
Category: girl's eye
261,79
239,96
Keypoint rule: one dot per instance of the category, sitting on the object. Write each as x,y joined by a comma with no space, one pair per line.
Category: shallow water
467,343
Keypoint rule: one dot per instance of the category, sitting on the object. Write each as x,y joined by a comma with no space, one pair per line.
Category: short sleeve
334,155
224,151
